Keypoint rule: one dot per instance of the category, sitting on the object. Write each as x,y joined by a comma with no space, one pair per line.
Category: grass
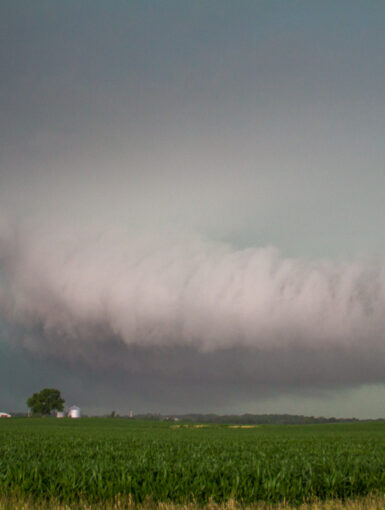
371,502
104,463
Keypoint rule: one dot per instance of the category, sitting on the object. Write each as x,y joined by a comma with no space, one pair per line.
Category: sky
192,205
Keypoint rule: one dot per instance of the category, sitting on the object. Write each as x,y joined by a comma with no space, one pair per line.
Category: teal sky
151,154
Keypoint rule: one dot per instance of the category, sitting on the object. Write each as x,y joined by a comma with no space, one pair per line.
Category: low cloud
191,313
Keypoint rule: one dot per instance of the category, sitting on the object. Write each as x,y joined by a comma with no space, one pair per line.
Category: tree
46,401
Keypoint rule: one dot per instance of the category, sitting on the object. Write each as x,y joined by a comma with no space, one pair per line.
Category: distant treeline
248,419
236,419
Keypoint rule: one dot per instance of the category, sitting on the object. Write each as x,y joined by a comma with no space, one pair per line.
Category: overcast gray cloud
192,201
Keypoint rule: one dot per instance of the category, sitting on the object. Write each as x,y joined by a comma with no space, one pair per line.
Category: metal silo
74,412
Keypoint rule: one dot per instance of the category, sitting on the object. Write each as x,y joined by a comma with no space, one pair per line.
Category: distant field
101,460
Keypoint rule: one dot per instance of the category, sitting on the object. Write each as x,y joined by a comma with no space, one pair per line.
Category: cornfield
100,460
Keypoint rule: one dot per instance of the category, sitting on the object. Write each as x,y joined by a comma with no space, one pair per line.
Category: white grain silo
74,412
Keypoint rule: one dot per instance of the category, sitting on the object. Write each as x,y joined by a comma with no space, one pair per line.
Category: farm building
74,412
4,415
59,414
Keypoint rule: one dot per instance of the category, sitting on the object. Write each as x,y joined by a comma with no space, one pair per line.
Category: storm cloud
192,207
187,311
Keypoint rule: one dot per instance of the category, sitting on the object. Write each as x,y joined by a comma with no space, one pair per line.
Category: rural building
74,412
4,415
59,414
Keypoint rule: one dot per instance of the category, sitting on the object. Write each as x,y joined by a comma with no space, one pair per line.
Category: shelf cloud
192,207
185,308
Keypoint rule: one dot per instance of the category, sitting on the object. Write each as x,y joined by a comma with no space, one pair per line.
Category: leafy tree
46,401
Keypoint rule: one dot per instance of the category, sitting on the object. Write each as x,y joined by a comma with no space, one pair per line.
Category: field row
101,459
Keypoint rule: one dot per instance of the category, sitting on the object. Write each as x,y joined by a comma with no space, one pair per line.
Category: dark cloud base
108,373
